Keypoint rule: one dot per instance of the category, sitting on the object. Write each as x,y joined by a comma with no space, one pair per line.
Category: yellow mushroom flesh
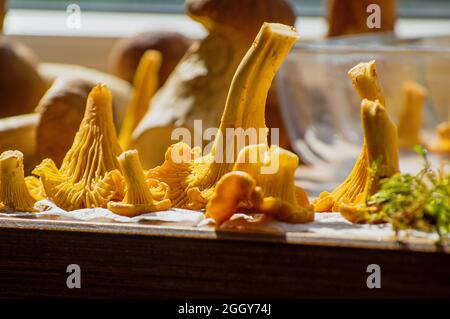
264,177
145,85
410,120
139,197
380,144
442,145
192,179
90,173
14,194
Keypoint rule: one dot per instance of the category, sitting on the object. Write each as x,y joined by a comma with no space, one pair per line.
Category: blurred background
408,8
102,22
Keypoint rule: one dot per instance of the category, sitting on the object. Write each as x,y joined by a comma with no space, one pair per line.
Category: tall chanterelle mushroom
198,87
191,178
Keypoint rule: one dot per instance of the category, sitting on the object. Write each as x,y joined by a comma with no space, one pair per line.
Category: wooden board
243,234
128,260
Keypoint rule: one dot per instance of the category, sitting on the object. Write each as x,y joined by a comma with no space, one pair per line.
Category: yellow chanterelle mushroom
410,120
442,145
380,149
192,178
90,173
139,197
14,194
145,85
262,181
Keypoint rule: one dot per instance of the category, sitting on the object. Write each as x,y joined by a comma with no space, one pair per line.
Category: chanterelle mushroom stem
410,120
14,194
145,85
90,173
364,78
138,196
262,181
192,180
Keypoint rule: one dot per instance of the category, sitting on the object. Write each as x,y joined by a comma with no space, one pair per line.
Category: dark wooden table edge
210,233
148,261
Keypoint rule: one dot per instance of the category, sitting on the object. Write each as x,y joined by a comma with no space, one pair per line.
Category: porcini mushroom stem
2,14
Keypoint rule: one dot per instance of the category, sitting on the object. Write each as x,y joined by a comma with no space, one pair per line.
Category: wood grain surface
161,262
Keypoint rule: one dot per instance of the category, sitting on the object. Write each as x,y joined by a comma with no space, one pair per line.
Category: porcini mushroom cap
2,13
127,53
21,86
247,16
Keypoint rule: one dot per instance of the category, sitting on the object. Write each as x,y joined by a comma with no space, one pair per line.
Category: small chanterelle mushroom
410,120
262,181
442,145
192,178
379,155
139,197
90,173
14,194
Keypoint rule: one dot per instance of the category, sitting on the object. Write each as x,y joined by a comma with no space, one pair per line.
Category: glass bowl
321,109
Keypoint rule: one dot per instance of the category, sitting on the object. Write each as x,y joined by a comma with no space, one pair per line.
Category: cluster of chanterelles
97,173
379,155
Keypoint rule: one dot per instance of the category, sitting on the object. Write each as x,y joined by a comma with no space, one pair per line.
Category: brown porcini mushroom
21,86
126,54
346,17
2,13
198,87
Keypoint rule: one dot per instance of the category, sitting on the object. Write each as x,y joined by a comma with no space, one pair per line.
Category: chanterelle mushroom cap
247,16
192,181
139,197
89,175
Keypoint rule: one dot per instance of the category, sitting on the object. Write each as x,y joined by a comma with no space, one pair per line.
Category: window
407,8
